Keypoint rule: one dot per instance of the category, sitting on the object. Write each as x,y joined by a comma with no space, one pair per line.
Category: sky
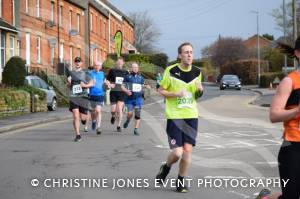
202,21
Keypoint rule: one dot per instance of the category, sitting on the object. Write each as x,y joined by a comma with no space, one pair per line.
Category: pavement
23,121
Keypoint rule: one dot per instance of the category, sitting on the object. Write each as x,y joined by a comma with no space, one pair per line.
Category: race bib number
76,89
119,80
185,102
136,88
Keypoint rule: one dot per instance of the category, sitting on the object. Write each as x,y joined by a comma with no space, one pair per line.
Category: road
235,141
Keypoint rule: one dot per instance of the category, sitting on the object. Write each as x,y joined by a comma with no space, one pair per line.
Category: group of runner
181,87
87,94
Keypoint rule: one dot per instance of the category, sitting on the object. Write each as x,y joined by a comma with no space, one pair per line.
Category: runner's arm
278,113
168,94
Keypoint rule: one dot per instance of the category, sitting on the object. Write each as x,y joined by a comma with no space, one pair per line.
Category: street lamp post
258,47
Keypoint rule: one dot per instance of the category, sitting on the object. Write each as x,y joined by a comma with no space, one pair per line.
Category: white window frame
71,57
38,9
52,51
27,49
61,52
70,19
91,21
78,22
18,47
0,8
97,56
11,45
2,49
38,50
26,7
52,11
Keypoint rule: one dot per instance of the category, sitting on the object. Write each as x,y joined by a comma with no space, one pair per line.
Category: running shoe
162,174
135,132
93,125
119,129
263,194
77,138
182,189
98,131
112,120
125,125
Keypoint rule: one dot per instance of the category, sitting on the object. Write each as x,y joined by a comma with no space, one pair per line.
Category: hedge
267,78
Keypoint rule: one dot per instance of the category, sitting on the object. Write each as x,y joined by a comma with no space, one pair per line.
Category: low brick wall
38,105
14,103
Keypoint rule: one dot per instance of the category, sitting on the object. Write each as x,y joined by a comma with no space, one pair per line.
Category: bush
34,91
267,78
246,70
160,59
14,72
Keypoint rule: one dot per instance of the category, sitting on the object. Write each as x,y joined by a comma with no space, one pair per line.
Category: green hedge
159,59
34,91
14,72
267,78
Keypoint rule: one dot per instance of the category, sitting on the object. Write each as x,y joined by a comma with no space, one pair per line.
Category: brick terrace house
48,32
251,42
9,43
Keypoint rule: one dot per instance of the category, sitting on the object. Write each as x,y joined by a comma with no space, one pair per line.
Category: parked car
37,82
230,81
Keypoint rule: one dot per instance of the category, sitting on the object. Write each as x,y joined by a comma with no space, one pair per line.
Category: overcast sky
202,21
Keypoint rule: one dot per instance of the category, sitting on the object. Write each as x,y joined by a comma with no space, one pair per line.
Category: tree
225,50
269,37
278,17
146,32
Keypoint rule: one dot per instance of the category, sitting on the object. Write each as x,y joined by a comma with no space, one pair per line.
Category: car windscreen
230,78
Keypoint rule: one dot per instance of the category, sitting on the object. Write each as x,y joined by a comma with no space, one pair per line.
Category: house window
11,46
92,57
0,8
2,50
26,6
71,57
18,48
78,23
38,8
78,52
60,15
97,58
61,53
52,56
38,50
13,12
104,30
91,21
27,49
52,11
70,20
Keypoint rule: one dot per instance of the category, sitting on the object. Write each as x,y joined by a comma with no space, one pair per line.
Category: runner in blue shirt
134,85
97,93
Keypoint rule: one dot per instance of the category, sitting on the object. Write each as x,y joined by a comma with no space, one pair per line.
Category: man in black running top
115,77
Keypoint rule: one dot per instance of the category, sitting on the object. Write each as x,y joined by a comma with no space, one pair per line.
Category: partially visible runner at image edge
79,81
285,108
117,96
134,83
97,94
181,86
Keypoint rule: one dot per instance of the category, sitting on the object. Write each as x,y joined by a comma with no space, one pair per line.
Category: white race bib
76,89
136,88
119,80
185,102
